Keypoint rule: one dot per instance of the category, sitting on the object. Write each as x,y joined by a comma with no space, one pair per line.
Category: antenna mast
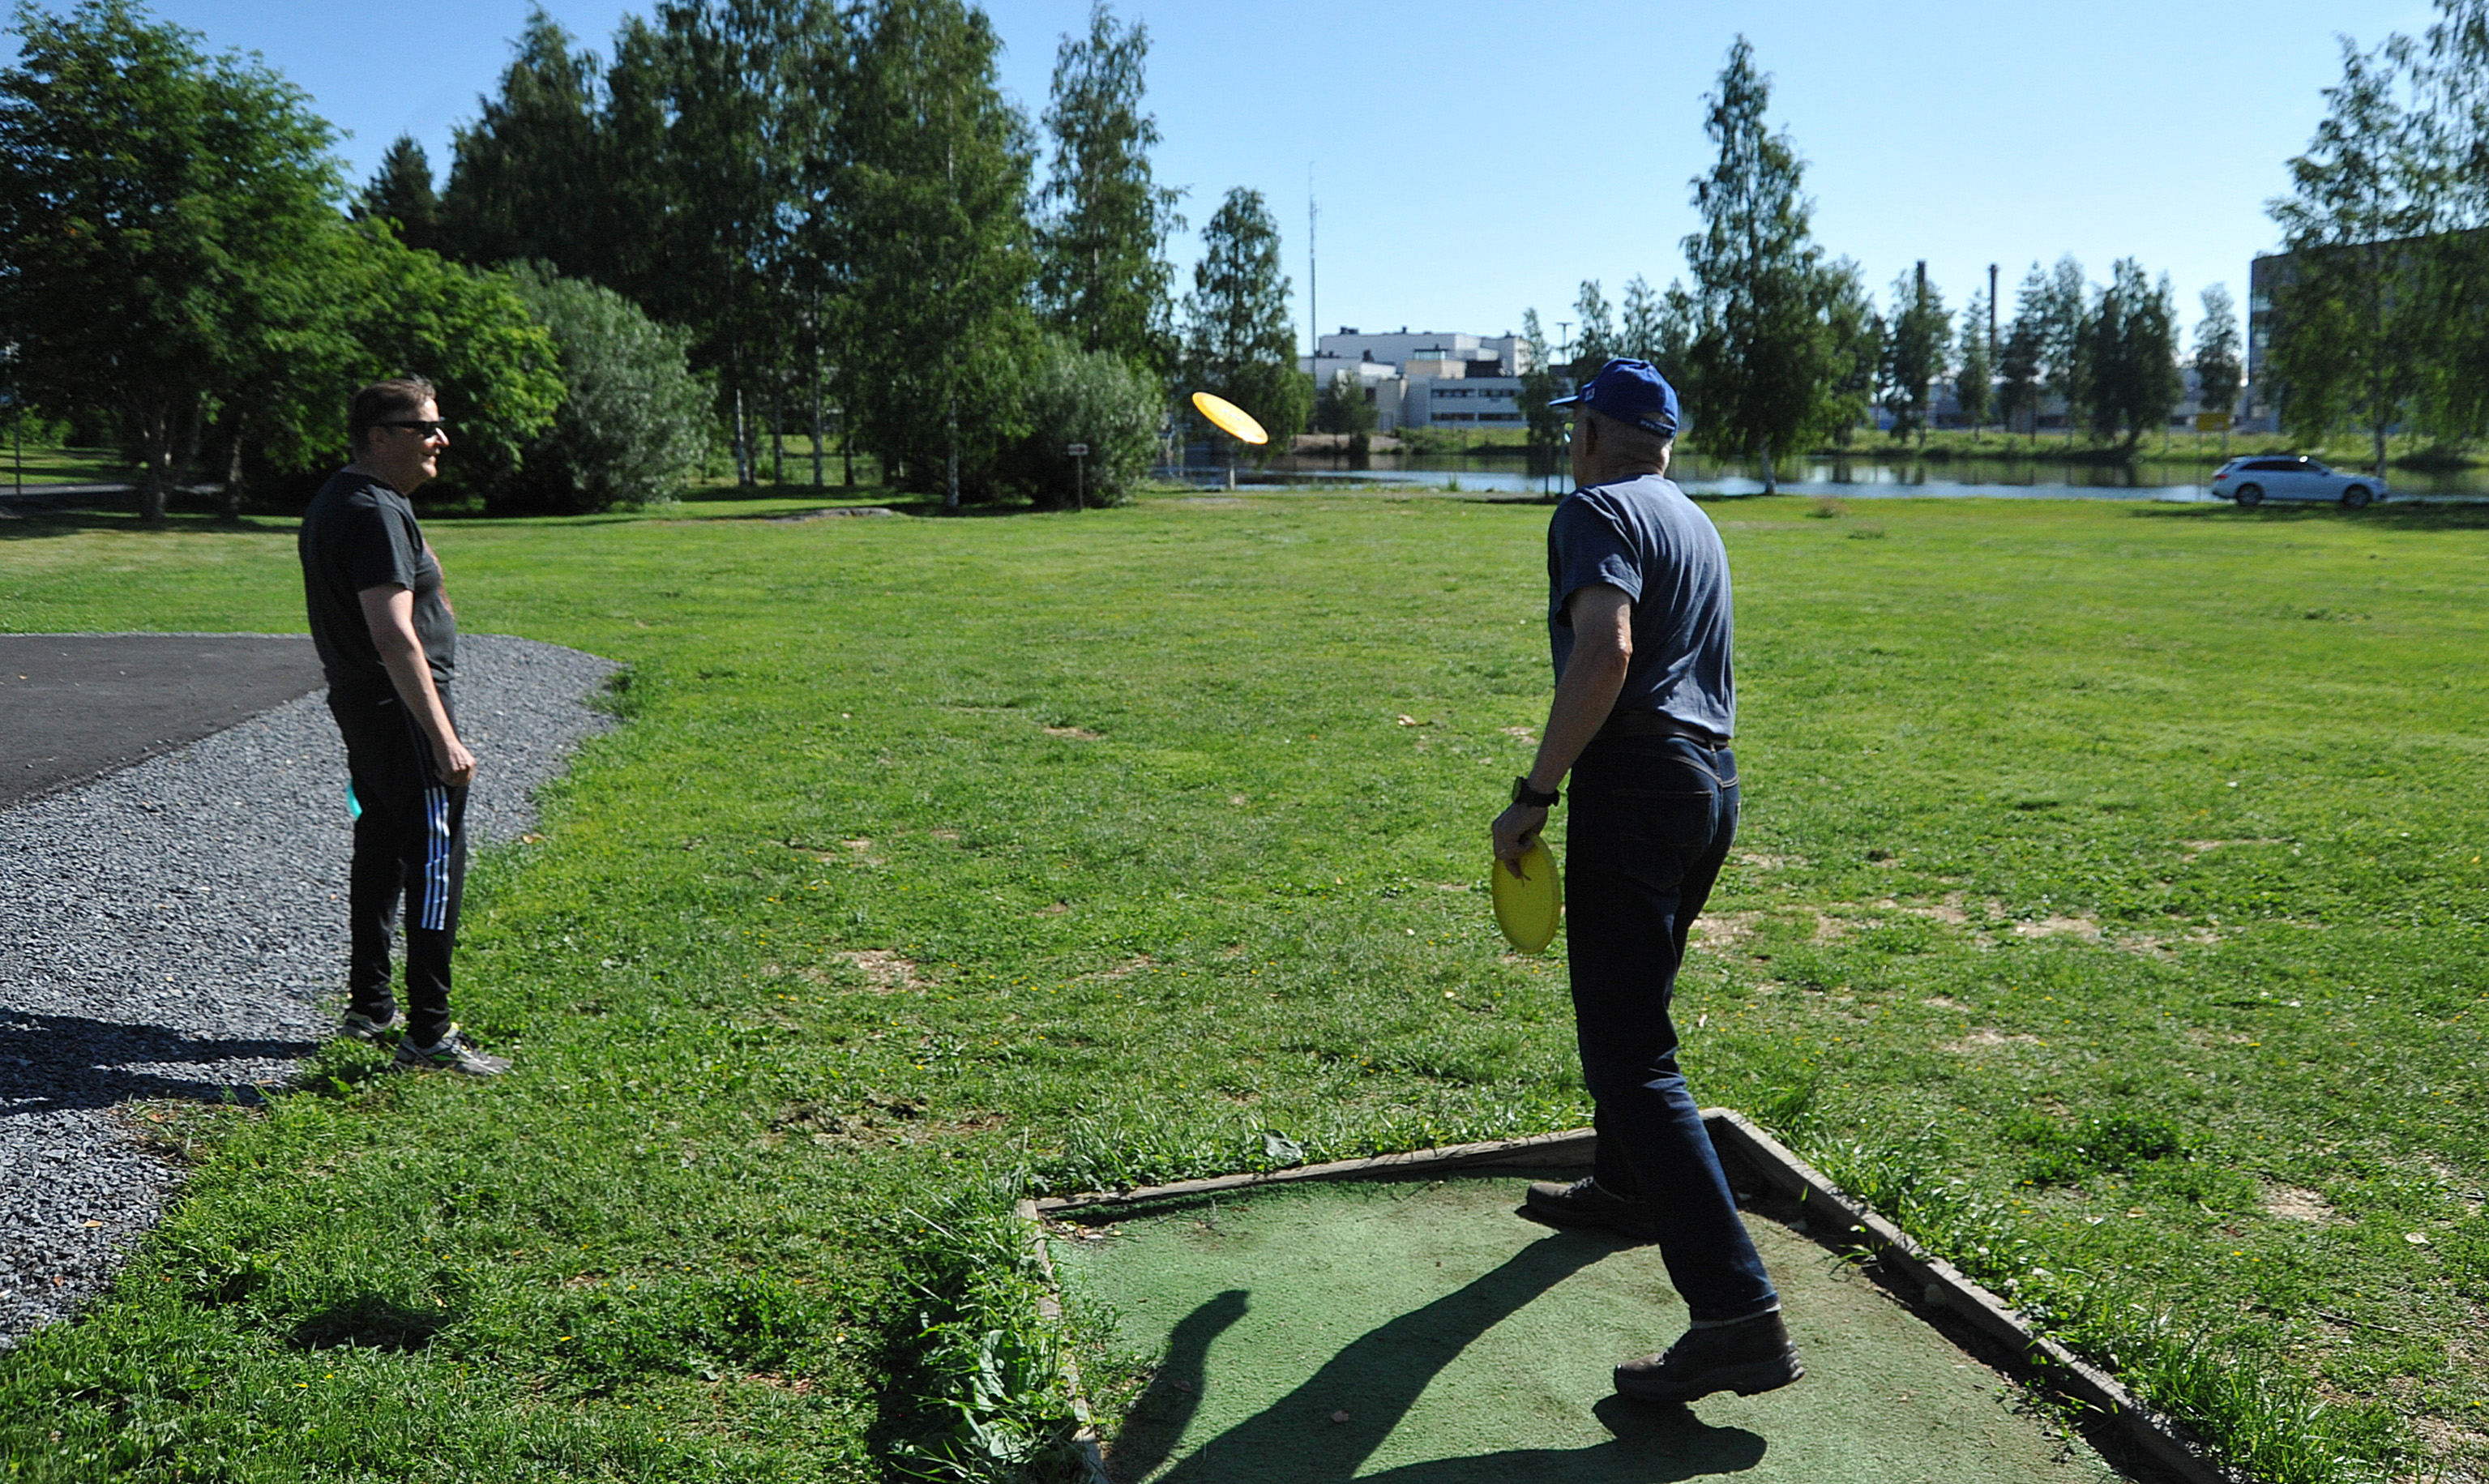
1313,276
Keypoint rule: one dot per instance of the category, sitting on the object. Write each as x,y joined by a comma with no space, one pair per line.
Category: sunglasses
427,426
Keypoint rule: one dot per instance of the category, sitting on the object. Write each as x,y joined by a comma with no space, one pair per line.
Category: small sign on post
2212,422
1079,475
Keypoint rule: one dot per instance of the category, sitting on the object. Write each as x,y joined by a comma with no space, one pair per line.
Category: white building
1428,378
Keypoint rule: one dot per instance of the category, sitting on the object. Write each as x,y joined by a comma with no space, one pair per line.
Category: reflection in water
2180,477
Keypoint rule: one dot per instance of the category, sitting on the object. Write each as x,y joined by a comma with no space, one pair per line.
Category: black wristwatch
1523,793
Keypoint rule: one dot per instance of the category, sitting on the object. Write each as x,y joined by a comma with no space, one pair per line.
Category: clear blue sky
1473,159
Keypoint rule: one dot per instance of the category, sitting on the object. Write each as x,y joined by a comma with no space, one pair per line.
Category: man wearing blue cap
1638,616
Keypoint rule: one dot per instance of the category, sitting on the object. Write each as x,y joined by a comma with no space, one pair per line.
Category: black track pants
410,846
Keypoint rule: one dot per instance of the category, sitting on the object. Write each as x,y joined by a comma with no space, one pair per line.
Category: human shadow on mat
1159,1418
1381,1375
56,1063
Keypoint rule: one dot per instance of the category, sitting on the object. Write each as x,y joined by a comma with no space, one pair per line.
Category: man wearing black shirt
387,640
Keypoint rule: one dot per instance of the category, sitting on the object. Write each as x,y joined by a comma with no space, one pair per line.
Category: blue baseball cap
1629,391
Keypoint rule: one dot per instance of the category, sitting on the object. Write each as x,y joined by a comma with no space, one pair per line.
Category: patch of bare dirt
1523,732
1724,929
1827,928
1986,1038
1075,733
2291,1203
2085,927
800,1385
1939,1001
888,973
1763,860
2209,1039
1949,911
1124,970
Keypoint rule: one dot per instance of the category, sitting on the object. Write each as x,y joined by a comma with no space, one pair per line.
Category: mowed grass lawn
2109,905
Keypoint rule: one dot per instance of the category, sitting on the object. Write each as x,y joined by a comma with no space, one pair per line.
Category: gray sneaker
368,1028
450,1053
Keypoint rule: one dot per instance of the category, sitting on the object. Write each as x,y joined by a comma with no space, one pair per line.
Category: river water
2183,480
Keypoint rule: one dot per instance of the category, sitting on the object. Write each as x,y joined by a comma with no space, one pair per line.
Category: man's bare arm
389,610
1594,675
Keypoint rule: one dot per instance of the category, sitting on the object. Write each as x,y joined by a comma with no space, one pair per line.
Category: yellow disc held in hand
1529,898
1229,418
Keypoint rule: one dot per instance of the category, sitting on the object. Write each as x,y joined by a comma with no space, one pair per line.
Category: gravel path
178,930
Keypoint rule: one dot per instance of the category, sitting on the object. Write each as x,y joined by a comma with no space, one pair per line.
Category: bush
1342,406
1093,397
635,426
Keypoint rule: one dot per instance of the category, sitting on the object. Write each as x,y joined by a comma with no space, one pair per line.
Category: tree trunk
233,478
951,476
816,423
157,427
1771,475
777,437
2381,451
742,442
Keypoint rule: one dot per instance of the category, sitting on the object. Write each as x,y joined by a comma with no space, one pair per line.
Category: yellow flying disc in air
1229,418
1529,906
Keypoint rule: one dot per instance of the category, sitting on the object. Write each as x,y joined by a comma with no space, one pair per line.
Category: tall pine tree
526,177
1767,356
1973,366
1102,276
930,239
1239,339
2353,317
401,191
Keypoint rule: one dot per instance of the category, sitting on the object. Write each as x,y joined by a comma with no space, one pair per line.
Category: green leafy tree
2132,355
633,422
2054,304
1767,356
2019,368
1544,425
2065,326
717,112
2453,138
1974,368
930,240
1102,273
472,334
1596,345
401,191
2218,372
1914,352
1342,408
1097,398
2354,317
1239,341
1854,341
167,217
1644,324
524,177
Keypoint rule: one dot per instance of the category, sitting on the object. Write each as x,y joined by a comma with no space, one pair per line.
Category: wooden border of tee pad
1829,1214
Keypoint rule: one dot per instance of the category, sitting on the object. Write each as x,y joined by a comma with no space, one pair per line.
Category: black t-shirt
361,533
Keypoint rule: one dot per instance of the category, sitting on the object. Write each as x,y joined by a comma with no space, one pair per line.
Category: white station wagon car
2293,476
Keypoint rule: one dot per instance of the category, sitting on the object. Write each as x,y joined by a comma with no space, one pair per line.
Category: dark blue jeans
1650,824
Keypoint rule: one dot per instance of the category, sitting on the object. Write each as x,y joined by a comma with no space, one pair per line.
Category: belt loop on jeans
1654,723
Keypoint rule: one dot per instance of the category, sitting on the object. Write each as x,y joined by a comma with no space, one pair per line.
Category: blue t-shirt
1644,537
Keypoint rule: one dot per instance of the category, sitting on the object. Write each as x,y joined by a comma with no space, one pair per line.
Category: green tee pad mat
1467,1345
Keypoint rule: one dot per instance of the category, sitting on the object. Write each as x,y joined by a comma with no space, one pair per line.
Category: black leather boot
1751,1355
